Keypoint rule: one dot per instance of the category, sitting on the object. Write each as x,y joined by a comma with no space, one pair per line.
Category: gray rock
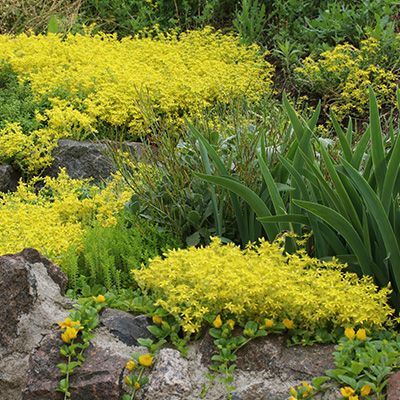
31,304
169,379
126,327
8,178
87,159
99,377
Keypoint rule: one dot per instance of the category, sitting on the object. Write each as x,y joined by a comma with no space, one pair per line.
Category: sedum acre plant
55,217
93,82
342,75
261,282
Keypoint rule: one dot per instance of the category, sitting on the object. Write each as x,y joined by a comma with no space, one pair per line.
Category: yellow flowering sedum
342,76
260,281
94,80
53,224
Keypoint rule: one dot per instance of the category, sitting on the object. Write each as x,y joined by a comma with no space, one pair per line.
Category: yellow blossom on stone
69,334
217,322
68,323
130,365
293,391
268,323
361,334
365,390
349,333
146,360
288,323
347,391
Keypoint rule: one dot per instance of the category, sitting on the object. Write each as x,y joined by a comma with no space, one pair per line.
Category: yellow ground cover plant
95,80
260,282
342,76
55,218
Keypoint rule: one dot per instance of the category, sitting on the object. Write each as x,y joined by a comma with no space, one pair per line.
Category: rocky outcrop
32,303
8,178
88,159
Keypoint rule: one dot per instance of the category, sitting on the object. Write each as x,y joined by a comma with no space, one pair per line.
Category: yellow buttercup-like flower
130,365
68,323
268,323
217,322
70,334
308,390
136,385
349,333
231,322
361,334
365,390
100,298
347,391
288,323
146,360
128,381
157,320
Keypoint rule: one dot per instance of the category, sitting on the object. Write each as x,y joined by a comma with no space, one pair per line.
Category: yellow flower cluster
261,282
94,80
54,221
30,152
342,77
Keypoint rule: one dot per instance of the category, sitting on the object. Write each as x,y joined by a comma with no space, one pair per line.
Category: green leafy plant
82,320
109,253
363,365
355,215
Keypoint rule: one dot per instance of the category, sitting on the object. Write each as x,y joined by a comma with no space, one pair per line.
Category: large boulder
88,159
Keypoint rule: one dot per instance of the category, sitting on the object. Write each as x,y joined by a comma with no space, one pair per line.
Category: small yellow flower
349,333
354,397
268,323
130,365
146,360
68,323
157,320
347,391
231,322
69,334
308,390
288,323
217,322
137,386
128,381
365,390
100,298
361,334
293,391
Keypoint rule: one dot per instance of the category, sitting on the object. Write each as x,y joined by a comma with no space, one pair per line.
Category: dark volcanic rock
99,377
126,327
8,178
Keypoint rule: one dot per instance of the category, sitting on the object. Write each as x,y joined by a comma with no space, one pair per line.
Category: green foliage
355,216
17,102
132,16
173,197
363,366
108,254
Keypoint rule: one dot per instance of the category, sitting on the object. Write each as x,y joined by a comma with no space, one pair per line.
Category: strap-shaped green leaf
344,228
254,201
377,149
376,209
